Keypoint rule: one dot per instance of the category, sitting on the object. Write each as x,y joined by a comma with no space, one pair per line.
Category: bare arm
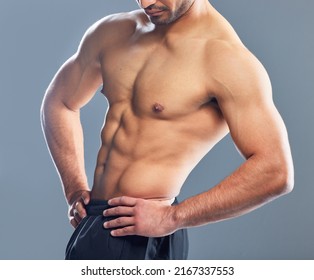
72,87
244,95
245,98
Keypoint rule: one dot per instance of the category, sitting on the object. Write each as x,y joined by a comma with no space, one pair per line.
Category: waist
96,206
140,180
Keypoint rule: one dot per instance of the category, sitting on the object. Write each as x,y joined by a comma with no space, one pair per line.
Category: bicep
74,84
79,77
255,125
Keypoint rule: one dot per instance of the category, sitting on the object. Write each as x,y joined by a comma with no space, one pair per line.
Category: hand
77,207
140,217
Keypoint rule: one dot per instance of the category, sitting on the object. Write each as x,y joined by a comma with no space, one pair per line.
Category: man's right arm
72,87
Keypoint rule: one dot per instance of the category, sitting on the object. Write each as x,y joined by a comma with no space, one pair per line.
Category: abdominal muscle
151,158
139,179
148,177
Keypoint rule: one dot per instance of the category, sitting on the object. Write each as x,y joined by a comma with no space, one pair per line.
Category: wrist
176,221
73,196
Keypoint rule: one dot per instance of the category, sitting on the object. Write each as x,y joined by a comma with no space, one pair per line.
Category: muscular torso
161,118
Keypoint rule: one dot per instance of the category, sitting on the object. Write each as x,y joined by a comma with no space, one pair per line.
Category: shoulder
235,70
116,26
110,31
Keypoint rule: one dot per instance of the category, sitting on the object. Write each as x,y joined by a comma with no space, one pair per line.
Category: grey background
36,37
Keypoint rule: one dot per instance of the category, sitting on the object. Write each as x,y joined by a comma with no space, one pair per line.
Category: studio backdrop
36,37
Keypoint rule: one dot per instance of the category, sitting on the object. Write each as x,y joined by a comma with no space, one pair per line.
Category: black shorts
91,241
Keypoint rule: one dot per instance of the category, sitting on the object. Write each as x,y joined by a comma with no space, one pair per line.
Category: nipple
158,108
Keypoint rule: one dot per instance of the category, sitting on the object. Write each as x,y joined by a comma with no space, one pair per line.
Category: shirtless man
177,79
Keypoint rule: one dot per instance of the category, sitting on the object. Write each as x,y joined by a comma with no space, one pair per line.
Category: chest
150,75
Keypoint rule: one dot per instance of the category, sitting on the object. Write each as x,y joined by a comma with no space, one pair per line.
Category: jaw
168,16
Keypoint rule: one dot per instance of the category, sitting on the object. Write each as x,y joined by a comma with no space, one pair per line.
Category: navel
158,108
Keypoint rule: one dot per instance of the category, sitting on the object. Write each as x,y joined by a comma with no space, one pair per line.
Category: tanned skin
177,79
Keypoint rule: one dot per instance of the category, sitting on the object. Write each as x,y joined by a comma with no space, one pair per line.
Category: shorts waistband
96,206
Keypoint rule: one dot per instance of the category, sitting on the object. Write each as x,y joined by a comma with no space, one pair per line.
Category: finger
77,216
123,231
119,222
86,197
80,209
71,213
119,211
123,201
73,222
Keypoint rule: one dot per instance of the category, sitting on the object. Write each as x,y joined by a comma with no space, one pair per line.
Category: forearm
252,185
64,136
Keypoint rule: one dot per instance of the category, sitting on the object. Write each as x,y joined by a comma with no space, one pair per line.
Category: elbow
286,183
282,178
46,111
43,113
52,108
